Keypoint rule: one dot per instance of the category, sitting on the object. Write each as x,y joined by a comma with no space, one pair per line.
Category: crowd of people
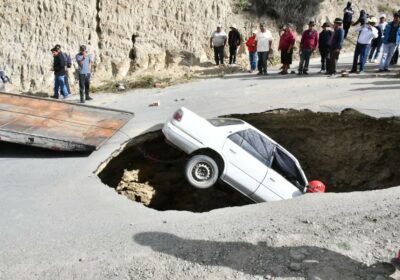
375,39
62,62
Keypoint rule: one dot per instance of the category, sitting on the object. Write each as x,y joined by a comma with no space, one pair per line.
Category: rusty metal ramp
57,125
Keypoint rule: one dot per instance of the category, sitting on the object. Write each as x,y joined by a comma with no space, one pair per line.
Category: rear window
225,122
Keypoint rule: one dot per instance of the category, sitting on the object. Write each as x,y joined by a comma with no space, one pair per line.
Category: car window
287,167
224,122
259,143
255,144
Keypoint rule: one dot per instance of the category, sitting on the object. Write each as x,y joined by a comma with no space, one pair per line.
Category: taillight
178,115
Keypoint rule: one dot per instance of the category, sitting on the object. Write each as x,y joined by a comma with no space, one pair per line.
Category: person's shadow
310,262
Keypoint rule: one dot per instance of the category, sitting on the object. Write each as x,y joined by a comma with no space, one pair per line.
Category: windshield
287,167
224,122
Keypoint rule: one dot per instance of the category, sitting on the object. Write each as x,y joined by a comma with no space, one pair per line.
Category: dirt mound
348,151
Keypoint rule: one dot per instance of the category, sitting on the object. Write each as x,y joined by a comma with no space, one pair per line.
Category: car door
246,166
283,181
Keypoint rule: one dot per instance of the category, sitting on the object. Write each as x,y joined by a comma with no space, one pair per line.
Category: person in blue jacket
391,41
335,45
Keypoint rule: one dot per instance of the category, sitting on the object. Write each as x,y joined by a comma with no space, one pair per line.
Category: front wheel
202,171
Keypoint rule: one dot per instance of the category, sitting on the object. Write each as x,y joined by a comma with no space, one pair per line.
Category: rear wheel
202,171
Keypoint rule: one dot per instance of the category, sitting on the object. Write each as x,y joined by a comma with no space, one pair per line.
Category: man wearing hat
391,41
335,46
308,44
366,33
85,64
323,45
218,42
234,41
251,47
376,43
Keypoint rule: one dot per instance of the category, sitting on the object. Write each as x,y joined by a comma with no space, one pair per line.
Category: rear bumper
180,139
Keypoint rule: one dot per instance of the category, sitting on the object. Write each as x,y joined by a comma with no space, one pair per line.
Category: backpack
68,60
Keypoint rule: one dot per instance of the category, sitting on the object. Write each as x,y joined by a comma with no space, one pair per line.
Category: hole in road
348,151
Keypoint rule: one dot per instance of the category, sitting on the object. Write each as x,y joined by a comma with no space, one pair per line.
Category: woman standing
286,44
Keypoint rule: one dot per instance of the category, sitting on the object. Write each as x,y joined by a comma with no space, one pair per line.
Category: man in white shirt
218,42
263,43
367,32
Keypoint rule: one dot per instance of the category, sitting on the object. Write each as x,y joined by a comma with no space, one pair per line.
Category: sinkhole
348,151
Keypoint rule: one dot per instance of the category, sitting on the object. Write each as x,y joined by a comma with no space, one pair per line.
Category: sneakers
66,96
375,61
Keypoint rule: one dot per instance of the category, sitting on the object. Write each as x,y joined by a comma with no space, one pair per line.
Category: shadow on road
11,150
310,262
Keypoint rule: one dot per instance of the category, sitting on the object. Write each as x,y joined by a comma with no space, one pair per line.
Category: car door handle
271,179
232,151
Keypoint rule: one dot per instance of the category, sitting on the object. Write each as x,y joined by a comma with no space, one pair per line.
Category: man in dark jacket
335,45
362,19
59,73
66,58
234,41
347,18
323,45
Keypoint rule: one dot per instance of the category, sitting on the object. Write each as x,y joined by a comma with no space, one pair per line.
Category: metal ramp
57,125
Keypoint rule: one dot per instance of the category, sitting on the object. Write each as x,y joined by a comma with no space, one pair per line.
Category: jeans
324,58
360,51
84,84
59,83
232,54
388,51
66,83
262,62
253,61
219,55
375,51
305,60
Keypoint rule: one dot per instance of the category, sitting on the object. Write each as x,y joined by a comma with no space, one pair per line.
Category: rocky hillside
124,35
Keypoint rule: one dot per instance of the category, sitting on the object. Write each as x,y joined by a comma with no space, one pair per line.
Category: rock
295,266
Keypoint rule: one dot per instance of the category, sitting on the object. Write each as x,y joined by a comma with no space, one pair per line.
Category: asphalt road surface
58,221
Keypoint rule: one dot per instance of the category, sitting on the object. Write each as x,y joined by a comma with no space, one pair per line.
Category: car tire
202,171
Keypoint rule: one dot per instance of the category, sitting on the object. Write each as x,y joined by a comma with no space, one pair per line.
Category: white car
238,154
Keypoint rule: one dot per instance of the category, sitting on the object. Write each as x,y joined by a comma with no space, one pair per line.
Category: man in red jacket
251,46
308,44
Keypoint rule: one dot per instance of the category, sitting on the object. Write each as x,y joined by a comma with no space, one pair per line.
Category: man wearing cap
308,44
376,43
264,43
234,41
335,46
391,41
251,46
218,42
59,73
85,64
323,45
286,44
366,33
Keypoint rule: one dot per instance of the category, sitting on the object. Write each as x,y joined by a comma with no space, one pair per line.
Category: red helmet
316,187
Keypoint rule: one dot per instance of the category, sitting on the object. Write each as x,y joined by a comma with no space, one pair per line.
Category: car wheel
202,171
